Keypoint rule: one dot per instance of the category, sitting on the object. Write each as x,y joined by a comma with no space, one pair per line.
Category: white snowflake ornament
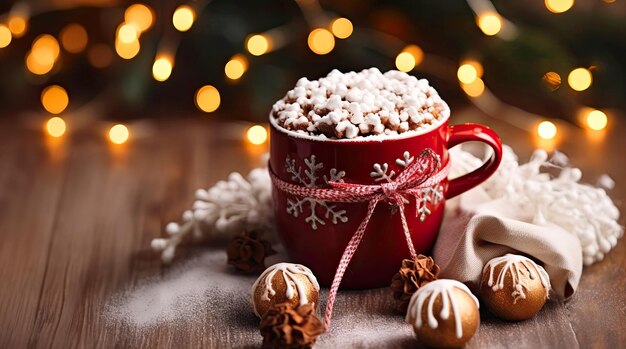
229,207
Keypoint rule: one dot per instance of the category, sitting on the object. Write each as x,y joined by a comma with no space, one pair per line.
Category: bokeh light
546,130
236,67
18,25
552,79
43,54
183,18
208,99
321,41
162,68
47,43
127,50
579,79
342,28
119,134
409,58
490,23
257,44
559,6
127,33
5,36
405,62
140,15
477,66
416,52
257,135
100,56
467,73
56,127
475,88
34,67
74,38
596,120
54,99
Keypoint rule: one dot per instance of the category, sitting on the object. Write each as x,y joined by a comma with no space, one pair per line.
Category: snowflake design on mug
319,212
310,179
424,200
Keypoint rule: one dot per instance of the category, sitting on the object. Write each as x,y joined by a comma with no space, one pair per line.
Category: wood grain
77,216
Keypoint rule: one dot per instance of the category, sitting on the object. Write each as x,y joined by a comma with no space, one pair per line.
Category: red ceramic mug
315,233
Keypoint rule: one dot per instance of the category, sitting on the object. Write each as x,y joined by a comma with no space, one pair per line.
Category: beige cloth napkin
467,241
478,228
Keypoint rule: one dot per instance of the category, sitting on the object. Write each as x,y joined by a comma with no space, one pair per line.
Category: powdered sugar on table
351,105
204,291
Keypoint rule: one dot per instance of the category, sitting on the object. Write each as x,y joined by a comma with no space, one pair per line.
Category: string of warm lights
490,21
579,79
324,29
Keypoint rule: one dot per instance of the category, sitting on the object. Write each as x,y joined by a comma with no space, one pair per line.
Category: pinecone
412,275
247,252
286,326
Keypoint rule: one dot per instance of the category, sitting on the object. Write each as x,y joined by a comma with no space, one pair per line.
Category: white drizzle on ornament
288,271
514,264
431,291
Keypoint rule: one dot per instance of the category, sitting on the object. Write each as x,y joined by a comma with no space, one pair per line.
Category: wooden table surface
77,217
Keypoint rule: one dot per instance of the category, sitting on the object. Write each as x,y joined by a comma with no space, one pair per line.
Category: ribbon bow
423,172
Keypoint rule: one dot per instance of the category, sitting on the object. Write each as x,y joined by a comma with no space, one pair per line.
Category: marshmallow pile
361,104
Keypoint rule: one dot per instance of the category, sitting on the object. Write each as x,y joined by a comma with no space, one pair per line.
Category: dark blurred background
557,60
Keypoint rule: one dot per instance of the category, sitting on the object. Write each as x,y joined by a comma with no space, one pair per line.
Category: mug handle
474,132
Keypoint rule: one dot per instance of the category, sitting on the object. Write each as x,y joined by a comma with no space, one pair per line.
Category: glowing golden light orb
17,25
34,67
183,18
140,15
56,127
257,135
580,79
54,99
596,120
5,36
475,88
342,28
127,33
127,50
321,41
490,23
467,73
558,6
405,62
119,134
257,44
162,68
45,51
546,130
208,99
236,67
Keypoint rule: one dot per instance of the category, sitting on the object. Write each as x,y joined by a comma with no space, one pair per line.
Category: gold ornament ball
444,331
284,283
516,289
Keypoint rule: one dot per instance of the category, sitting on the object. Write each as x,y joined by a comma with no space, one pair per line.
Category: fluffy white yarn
583,210
227,208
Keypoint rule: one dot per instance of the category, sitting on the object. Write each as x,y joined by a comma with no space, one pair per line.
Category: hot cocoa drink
364,104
